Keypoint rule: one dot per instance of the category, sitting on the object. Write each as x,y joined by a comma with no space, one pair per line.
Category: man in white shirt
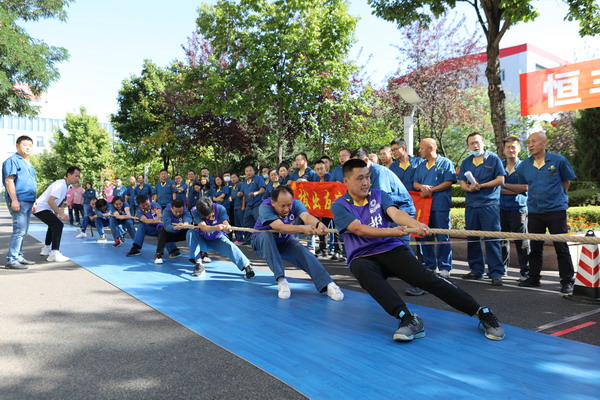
47,209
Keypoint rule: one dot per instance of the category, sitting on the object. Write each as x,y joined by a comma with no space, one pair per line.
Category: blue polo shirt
226,190
131,193
267,215
164,192
88,195
252,185
512,201
326,177
25,178
441,171
144,189
169,219
182,195
120,191
309,174
111,209
382,178
488,170
546,192
337,175
406,175
235,199
373,213
270,187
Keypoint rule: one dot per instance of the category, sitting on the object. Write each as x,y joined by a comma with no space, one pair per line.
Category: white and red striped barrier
587,279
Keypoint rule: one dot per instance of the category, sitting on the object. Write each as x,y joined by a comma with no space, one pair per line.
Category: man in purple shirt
376,251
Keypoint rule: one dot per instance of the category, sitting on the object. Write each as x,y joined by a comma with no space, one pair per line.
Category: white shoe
158,260
284,290
101,239
444,273
56,256
46,251
334,292
81,235
206,260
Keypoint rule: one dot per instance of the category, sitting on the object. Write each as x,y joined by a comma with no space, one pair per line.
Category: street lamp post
409,95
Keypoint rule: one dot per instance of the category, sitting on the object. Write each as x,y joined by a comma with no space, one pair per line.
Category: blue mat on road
333,350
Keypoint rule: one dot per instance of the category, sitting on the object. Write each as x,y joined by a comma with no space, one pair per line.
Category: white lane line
565,320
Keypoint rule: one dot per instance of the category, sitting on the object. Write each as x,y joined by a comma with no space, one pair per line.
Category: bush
458,202
578,185
457,191
583,197
457,218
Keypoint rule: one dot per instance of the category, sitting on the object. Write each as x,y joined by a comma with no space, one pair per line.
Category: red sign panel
564,88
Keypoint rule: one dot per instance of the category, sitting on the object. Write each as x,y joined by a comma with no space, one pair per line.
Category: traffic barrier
587,279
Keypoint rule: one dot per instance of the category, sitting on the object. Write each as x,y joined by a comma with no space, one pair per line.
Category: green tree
587,141
141,120
495,18
277,58
84,143
27,65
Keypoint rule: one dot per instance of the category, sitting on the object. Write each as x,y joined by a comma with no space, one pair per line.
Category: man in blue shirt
513,207
303,172
150,217
434,178
163,191
287,216
143,188
211,234
176,220
376,251
482,207
337,175
546,178
236,203
130,195
405,166
180,188
119,189
252,189
18,176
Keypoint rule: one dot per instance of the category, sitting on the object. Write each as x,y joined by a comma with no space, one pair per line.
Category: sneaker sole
404,338
132,255
492,337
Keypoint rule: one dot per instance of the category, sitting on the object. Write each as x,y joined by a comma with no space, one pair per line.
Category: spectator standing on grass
18,176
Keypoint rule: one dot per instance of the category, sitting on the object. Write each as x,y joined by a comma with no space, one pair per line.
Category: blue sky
108,41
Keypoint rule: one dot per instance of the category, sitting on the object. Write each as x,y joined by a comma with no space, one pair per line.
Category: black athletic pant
78,211
55,228
556,223
372,273
164,237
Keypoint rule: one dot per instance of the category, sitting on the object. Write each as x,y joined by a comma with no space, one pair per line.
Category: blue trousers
438,255
250,217
149,230
20,225
292,251
238,220
485,218
221,245
101,223
86,222
119,226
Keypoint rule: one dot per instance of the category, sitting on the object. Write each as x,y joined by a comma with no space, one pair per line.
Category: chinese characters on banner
318,197
564,88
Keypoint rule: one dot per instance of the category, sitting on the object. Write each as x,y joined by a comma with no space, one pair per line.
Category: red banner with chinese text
318,197
564,88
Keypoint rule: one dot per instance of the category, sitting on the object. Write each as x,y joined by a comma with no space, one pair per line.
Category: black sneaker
122,239
249,271
471,276
174,253
530,282
489,324
199,269
567,288
497,281
335,257
411,327
135,251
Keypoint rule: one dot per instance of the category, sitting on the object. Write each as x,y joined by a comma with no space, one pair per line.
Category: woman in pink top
77,201
108,191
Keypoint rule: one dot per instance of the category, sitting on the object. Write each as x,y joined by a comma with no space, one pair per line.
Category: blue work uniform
180,195
406,173
119,191
309,174
337,175
279,247
223,190
149,229
482,212
252,203
118,227
238,214
144,189
164,192
102,221
439,255
270,187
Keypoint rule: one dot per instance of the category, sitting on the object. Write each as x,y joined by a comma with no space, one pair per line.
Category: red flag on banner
318,197
423,207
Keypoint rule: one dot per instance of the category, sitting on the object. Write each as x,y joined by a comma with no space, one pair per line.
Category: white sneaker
81,235
158,260
206,260
284,290
46,251
56,256
334,292
444,273
101,239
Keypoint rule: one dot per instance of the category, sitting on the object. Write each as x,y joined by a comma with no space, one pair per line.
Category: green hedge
580,218
583,197
579,185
